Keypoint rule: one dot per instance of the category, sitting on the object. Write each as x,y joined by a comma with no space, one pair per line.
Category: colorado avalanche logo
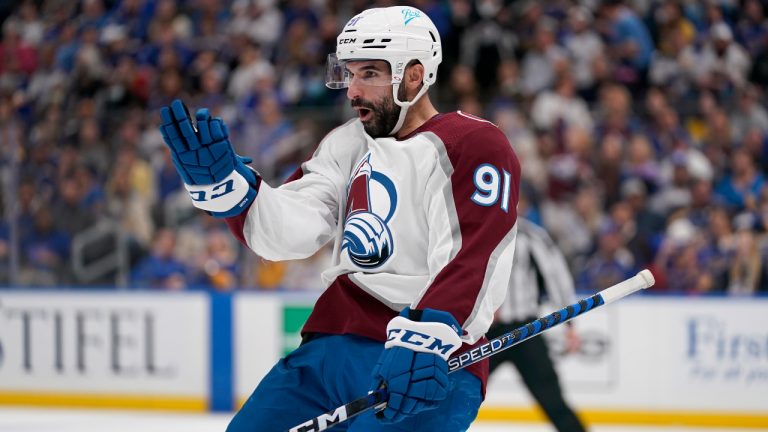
371,202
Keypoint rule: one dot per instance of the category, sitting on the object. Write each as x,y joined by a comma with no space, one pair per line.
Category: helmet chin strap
404,105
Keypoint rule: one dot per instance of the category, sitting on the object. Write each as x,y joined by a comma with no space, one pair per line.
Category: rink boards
645,360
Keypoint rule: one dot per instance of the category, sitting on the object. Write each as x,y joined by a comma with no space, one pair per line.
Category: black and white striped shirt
539,265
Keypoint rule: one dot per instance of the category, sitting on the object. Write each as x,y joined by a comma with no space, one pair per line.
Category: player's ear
414,75
413,79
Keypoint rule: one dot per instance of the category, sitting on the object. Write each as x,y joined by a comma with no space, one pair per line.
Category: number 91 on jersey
491,186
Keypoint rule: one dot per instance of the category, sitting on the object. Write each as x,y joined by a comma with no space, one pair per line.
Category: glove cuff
228,197
428,337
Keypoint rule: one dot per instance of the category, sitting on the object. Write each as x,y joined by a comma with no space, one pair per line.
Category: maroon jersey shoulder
460,131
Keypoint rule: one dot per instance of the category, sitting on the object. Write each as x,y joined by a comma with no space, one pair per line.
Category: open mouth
365,114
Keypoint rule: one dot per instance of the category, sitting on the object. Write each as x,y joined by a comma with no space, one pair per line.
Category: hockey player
421,210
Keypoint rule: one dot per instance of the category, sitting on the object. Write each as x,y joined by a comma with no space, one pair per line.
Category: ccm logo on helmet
347,41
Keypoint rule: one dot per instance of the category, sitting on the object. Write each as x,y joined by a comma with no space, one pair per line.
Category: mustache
359,103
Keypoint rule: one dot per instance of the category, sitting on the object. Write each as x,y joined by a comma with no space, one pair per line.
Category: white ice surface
14,419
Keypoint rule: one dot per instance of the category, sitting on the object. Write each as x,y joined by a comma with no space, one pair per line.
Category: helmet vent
433,37
367,41
374,46
386,40
350,30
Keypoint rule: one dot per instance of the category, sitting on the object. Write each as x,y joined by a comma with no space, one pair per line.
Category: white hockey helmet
397,35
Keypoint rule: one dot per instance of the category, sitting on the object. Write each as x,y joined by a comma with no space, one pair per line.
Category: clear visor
338,75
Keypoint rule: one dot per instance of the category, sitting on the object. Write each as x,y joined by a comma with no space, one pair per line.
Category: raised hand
216,177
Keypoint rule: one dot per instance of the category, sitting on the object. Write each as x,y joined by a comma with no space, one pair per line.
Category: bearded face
370,93
380,116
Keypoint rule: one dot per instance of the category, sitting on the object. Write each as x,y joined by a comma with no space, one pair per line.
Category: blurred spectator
672,66
297,52
746,268
267,129
129,207
509,87
462,83
170,86
166,15
140,173
719,252
217,267
45,251
19,58
570,167
11,132
748,115
614,112
640,162
161,269
250,69
716,140
93,151
673,193
575,226
703,202
514,126
608,166
135,16
678,258
129,85
5,254
31,27
751,28
544,61
261,20
48,84
168,180
756,144
488,42
671,25
561,105
72,216
68,45
629,42
90,69
585,49
611,263
721,65
92,14
741,188
208,75
269,275
640,225
93,195
666,132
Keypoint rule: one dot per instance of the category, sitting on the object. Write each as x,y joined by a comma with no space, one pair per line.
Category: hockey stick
378,398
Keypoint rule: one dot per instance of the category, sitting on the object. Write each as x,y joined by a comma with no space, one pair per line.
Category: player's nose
354,91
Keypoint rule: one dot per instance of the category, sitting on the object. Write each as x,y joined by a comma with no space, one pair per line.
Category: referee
539,269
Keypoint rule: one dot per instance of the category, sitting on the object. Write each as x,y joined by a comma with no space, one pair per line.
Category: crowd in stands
641,127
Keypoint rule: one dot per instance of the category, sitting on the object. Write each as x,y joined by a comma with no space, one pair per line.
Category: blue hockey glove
414,363
215,177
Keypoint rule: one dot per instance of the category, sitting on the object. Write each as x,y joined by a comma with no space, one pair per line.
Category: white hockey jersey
427,221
